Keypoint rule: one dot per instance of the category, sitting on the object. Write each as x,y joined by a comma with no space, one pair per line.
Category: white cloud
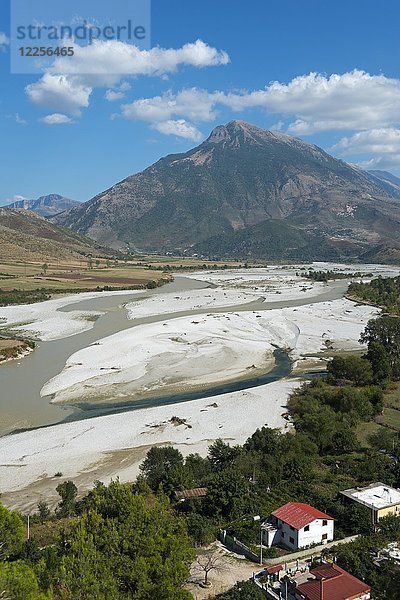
195,104
112,59
19,120
56,119
180,127
59,92
69,82
112,95
117,93
383,143
354,100
4,41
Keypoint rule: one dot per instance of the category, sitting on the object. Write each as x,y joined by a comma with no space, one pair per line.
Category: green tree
158,463
228,495
351,368
344,441
200,529
19,582
357,519
68,492
128,545
386,331
12,533
44,511
222,455
380,362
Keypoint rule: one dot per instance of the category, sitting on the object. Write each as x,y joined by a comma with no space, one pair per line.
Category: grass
74,275
392,395
389,419
365,430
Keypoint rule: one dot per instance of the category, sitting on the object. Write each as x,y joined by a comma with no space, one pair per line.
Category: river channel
22,407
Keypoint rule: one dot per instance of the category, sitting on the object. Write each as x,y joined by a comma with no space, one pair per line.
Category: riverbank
113,446
11,349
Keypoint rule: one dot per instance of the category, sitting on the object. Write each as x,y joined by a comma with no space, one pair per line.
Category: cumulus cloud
383,143
195,104
69,82
353,101
180,128
56,119
60,93
117,93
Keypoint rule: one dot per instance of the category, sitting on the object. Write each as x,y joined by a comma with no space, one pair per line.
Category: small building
297,525
199,492
330,582
379,498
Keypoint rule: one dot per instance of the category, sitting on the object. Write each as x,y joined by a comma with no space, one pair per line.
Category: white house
297,525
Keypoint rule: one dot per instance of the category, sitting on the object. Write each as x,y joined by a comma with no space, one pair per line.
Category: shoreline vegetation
383,293
12,349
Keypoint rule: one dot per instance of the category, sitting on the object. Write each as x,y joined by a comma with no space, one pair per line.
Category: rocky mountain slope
45,206
389,182
245,186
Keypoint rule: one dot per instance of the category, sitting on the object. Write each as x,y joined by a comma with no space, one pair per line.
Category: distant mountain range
249,193
45,206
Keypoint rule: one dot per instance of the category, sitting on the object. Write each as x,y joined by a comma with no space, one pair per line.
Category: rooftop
193,493
377,495
298,514
332,583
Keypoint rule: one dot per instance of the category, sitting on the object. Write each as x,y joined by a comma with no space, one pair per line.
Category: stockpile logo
45,32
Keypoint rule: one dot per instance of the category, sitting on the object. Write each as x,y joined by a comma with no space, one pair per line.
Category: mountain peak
237,132
45,206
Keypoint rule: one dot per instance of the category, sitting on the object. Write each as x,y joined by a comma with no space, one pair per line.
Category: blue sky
326,71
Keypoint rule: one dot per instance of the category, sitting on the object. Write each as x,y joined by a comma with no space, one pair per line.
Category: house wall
390,510
315,533
295,539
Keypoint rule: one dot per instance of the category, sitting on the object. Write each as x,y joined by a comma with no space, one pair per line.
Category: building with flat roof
382,500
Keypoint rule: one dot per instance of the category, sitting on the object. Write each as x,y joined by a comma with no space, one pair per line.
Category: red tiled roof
298,514
337,584
273,569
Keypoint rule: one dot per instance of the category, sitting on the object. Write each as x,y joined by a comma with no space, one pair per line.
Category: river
21,405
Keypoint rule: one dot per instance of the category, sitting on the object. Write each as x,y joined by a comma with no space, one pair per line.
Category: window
325,536
324,523
307,528
291,540
283,534
292,528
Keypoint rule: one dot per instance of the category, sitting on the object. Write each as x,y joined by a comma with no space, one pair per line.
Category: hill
238,179
26,236
45,206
